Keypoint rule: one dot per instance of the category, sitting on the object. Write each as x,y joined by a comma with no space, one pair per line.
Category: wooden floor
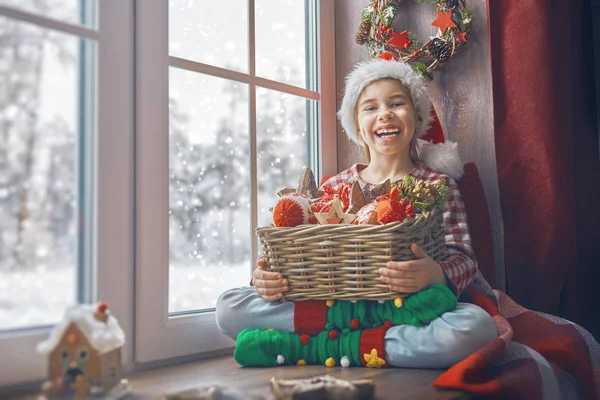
391,383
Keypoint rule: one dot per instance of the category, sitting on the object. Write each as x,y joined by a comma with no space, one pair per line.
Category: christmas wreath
454,20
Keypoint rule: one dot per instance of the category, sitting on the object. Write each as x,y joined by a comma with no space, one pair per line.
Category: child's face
386,117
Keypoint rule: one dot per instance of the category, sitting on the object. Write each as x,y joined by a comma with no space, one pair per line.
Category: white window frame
112,255
159,336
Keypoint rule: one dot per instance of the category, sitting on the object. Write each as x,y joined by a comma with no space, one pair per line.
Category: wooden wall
461,94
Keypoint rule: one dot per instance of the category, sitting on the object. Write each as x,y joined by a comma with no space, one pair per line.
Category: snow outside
210,228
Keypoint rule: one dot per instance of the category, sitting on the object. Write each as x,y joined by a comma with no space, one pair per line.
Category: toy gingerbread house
84,354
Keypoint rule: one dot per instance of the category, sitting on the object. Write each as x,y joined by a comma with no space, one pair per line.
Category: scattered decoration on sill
323,387
84,355
454,22
373,360
214,392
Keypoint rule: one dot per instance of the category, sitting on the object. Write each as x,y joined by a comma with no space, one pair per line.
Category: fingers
266,275
418,251
271,292
403,276
269,285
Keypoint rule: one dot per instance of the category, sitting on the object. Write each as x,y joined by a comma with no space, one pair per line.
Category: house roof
103,336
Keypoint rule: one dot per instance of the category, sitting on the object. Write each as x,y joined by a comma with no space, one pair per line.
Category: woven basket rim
408,222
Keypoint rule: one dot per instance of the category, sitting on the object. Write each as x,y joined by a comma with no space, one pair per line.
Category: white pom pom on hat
438,155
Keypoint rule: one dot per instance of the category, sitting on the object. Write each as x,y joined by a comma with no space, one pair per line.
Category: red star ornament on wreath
444,21
400,40
462,37
336,215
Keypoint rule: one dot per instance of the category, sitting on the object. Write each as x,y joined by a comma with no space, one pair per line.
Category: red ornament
462,37
376,4
444,21
388,324
288,213
333,334
304,338
102,307
416,54
399,39
354,323
387,56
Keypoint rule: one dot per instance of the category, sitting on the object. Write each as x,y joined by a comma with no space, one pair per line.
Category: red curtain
546,140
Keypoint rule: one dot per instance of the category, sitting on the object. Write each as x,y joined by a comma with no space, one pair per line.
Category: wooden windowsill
390,383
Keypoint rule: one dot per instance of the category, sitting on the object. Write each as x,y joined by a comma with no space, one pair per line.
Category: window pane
209,191
210,32
40,108
81,12
281,41
281,146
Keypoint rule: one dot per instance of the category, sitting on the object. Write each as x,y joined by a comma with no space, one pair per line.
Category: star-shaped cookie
335,215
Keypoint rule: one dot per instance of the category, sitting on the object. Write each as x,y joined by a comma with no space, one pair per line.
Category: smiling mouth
387,133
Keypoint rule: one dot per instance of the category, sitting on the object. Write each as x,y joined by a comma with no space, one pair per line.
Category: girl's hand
415,275
269,285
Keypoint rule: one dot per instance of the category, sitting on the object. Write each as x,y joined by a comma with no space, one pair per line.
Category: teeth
382,131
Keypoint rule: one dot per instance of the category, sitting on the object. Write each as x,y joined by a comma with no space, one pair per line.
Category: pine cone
448,4
363,32
440,49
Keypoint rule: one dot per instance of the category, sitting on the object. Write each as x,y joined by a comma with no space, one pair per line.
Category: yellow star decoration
373,360
336,215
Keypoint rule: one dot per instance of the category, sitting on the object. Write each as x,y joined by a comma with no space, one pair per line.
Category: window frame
111,220
159,336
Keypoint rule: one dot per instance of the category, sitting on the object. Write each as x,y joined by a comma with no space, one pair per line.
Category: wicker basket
323,262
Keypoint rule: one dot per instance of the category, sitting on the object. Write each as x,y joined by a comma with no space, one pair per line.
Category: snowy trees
37,151
210,182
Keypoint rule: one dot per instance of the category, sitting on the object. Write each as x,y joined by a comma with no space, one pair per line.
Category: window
57,192
232,102
136,175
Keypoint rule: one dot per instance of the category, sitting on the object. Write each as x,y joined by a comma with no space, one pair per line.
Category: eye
397,104
369,108
64,354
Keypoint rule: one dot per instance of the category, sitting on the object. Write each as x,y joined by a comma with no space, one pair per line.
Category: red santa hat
433,150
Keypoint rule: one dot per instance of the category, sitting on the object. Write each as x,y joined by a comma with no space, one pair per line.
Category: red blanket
535,356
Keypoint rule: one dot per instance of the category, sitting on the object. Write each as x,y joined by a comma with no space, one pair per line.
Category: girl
385,109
